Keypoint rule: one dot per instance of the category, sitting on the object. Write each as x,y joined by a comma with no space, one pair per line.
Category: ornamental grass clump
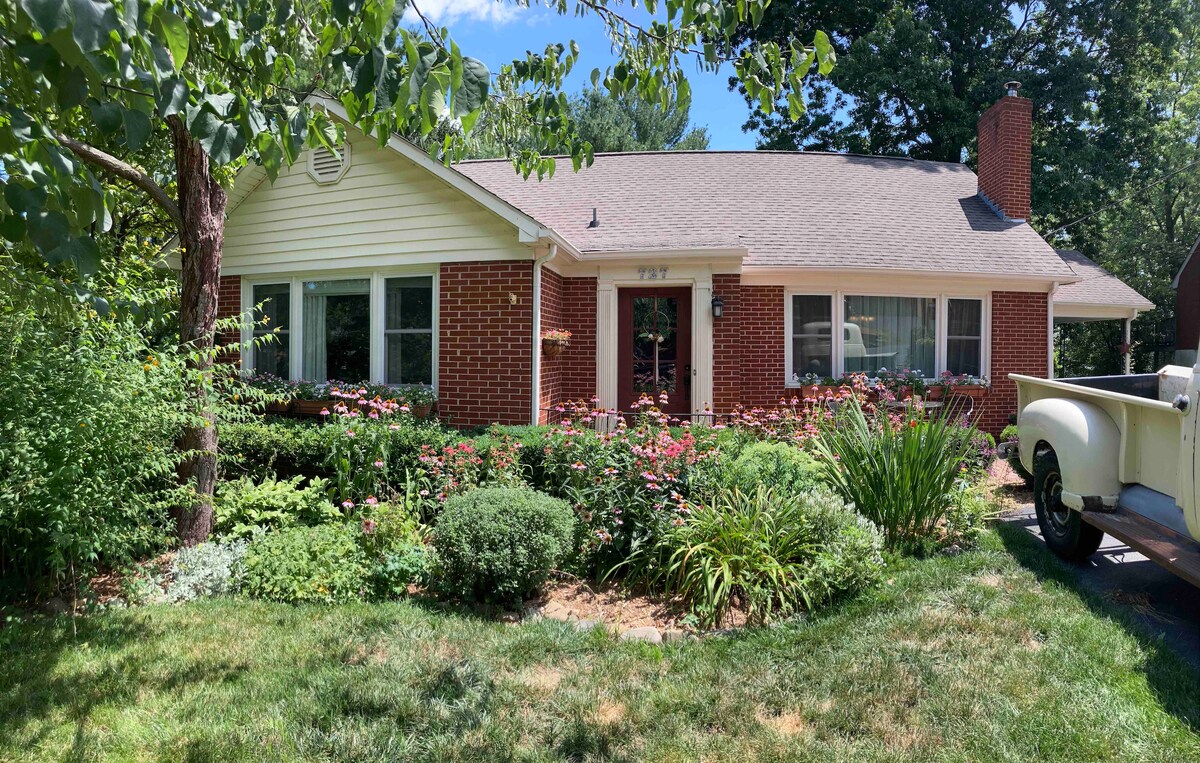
898,470
769,554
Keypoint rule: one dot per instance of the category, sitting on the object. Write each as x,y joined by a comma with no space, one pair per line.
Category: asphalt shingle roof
787,209
1097,287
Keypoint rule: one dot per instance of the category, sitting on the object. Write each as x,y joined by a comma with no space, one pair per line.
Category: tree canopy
628,123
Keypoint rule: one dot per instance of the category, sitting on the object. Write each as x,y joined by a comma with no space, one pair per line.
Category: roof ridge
753,152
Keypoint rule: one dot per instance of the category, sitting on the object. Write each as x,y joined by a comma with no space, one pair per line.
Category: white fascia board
771,275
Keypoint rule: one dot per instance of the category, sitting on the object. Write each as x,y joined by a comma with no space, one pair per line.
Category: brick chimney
1005,137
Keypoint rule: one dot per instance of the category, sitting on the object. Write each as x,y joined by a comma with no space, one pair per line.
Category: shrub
209,569
275,447
499,544
779,465
777,553
898,470
969,514
307,564
244,506
399,568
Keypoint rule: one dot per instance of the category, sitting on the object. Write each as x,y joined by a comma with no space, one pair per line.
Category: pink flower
324,411
350,433
372,500
378,464
368,526
347,504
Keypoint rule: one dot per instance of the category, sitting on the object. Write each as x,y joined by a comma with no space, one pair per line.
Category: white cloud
450,11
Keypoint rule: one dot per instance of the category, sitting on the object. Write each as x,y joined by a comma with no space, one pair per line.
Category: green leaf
12,228
95,21
174,32
47,15
73,88
172,96
82,252
475,81
47,230
107,116
137,129
221,141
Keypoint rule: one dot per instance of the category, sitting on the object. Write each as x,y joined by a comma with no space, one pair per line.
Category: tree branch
127,172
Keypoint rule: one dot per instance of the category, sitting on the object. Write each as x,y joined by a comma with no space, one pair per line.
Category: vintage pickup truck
1116,455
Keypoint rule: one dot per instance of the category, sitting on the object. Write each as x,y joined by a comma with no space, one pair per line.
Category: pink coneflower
368,526
324,411
347,504
372,500
378,464
350,433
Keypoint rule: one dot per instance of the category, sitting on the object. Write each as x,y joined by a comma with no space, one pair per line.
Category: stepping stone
648,633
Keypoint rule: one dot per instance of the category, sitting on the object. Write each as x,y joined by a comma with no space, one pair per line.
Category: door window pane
272,356
337,330
408,329
893,333
655,345
964,336
812,334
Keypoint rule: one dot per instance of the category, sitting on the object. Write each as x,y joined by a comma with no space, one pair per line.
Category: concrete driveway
1161,603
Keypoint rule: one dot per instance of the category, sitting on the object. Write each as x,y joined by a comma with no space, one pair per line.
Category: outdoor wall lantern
718,307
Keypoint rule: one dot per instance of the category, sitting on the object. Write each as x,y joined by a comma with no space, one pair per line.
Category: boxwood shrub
778,465
499,544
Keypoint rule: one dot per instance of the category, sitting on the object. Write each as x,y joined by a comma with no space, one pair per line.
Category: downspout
537,331
1050,331
1127,331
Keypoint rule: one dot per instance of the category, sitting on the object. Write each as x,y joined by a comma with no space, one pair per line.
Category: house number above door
652,274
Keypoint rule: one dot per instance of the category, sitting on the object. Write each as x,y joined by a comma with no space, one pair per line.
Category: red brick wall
229,305
727,345
1019,325
484,356
552,368
761,346
569,303
1003,150
578,363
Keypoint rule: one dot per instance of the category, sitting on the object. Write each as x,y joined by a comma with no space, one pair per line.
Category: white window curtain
337,329
893,333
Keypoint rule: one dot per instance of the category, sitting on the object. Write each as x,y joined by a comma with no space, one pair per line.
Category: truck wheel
1063,528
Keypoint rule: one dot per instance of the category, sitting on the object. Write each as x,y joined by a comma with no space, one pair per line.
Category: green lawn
988,656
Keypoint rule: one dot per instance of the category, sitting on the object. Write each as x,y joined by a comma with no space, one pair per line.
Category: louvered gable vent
327,167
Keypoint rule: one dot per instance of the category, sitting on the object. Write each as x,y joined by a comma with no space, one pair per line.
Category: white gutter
537,331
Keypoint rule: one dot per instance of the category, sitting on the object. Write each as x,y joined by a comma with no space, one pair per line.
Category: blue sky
498,32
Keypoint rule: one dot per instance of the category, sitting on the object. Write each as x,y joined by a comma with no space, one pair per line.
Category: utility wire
1125,198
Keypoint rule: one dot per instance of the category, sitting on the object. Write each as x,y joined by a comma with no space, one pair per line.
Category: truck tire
1063,528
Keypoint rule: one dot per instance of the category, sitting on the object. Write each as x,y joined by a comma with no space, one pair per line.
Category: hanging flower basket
554,341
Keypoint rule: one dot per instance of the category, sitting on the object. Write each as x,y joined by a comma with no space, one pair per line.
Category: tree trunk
201,236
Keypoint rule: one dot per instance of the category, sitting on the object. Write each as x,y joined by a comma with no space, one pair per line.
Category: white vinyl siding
384,211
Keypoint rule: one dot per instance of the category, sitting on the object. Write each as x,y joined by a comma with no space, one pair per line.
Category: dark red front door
654,347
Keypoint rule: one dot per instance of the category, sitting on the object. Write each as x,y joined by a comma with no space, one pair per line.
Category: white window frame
944,330
838,320
378,303
432,330
285,335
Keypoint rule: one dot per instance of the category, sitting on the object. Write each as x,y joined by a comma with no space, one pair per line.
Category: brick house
718,277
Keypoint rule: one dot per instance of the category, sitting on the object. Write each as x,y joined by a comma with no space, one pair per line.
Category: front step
1175,552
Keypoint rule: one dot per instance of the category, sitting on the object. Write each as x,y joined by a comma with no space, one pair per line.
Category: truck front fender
1087,443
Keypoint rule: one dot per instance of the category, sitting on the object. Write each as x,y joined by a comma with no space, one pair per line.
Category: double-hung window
273,356
869,334
964,336
363,328
408,330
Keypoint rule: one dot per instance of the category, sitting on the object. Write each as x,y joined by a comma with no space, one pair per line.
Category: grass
990,656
